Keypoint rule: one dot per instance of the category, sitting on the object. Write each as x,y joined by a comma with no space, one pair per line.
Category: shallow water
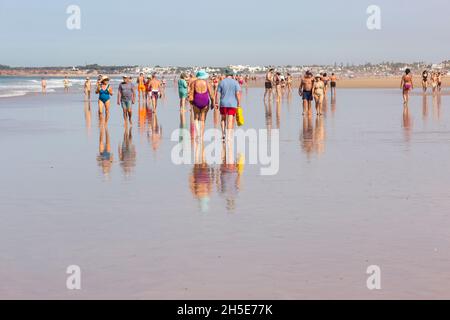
365,185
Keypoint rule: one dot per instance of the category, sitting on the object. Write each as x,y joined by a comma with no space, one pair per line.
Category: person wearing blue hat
200,97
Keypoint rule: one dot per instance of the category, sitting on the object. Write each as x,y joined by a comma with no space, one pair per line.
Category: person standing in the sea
66,83
44,85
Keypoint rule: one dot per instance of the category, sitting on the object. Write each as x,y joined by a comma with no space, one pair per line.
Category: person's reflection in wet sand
437,107
142,119
325,105
105,158
88,116
229,182
313,138
333,104
424,107
319,136
307,135
201,180
154,133
268,110
127,153
407,123
278,114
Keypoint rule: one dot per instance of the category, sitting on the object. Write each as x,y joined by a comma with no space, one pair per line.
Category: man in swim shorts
126,98
154,87
305,91
230,99
269,83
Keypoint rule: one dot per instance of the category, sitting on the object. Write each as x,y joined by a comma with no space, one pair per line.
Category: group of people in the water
431,79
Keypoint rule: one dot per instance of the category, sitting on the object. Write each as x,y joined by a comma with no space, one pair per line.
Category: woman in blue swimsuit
104,92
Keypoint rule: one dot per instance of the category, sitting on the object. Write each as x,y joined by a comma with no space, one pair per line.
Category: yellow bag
240,117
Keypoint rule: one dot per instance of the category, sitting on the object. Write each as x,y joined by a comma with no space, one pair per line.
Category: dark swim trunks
333,84
268,85
307,95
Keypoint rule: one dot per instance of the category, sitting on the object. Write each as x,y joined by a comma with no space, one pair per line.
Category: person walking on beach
126,97
200,96
269,83
104,92
305,91
183,91
44,85
407,85
434,81
278,83
154,87
319,93
439,81
87,88
141,87
289,81
66,83
230,99
425,81
333,84
326,79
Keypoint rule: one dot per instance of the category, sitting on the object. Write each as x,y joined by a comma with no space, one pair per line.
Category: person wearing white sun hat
319,93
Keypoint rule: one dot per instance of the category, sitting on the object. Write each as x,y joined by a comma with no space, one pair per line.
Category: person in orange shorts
141,86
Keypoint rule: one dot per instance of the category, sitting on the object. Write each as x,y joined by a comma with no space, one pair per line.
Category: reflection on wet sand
201,178
312,138
437,107
154,132
268,114
226,176
127,153
229,177
407,123
88,116
424,107
105,158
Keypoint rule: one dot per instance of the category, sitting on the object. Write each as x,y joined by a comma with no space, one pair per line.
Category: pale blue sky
232,32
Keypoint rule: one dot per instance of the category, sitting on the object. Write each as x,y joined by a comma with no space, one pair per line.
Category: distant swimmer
333,84
407,85
66,83
305,91
104,92
183,91
44,85
154,87
269,83
319,93
141,86
126,97
425,80
200,96
87,88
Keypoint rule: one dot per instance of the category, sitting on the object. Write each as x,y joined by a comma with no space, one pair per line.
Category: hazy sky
219,33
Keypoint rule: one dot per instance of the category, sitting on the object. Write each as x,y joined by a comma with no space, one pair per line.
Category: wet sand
365,185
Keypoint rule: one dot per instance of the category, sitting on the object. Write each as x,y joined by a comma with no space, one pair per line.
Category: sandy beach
365,185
